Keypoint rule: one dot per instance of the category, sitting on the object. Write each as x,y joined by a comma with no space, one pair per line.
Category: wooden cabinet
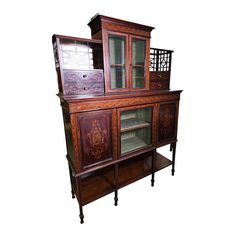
114,119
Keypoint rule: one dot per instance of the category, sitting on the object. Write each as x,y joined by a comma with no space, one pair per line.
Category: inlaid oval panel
95,137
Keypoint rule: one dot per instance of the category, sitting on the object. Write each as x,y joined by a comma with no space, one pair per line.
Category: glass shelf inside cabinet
135,129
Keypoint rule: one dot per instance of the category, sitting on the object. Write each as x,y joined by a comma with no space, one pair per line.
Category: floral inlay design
97,141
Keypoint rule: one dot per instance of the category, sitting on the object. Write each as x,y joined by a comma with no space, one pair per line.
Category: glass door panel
117,61
138,63
135,129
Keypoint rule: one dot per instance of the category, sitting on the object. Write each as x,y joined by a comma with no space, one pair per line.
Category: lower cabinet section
114,144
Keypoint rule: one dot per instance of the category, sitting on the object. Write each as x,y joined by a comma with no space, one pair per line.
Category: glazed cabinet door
167,122
135,129
126,60
116,62
139,63
95,137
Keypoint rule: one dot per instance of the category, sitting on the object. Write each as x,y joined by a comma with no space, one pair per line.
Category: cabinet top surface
82,98
101,18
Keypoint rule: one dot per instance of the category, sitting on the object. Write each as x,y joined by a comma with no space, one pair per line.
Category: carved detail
97,140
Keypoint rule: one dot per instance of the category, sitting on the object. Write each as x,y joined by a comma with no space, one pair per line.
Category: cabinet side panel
95,137
167,122
68,134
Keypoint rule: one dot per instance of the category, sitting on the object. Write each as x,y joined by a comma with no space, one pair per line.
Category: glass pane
138,77
135,129
117,49
117,75
138,52
138,63
117,61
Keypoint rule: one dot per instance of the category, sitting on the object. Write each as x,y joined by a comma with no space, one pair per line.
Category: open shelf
100,183
140,167
97,184
133,123
131,144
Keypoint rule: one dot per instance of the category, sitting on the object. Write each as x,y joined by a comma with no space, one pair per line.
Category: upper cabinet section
126,53
118,59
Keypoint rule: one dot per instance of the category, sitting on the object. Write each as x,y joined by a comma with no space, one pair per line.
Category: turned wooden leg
115,184
71,182
152,180
79,197
116,198
72,193
173,158
81,215
153,168
171,148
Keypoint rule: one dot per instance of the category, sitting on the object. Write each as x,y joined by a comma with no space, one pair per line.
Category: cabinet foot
172,172
173,145
81,215
72,194
116,198
152,180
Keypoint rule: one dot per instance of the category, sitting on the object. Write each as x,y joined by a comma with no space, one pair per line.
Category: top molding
96,23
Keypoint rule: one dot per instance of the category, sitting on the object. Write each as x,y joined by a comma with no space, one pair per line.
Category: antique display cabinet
117,106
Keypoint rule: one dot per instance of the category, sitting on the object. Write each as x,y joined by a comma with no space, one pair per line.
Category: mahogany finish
101,121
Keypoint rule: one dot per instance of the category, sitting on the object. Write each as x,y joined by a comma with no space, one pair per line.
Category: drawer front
95,137
83,82
155,85
159,80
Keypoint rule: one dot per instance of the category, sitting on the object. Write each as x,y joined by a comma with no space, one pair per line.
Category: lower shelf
101,183
131,144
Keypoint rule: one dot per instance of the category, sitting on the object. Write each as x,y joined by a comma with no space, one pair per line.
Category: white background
35,191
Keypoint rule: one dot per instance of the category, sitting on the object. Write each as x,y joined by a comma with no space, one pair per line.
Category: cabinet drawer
159,80
154,85
80,82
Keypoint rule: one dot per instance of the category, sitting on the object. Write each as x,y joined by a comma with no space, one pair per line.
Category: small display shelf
133,143
133,123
